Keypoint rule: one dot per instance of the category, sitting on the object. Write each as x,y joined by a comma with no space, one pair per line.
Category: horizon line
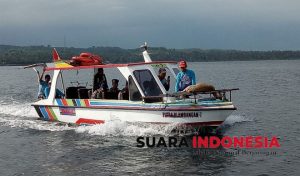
51,46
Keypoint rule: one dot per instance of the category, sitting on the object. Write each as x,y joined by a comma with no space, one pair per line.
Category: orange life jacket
86,59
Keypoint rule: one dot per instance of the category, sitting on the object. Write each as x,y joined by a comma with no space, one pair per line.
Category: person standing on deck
185,77
43,84
99,79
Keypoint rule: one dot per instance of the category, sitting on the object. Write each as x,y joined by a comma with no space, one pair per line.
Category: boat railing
77,83
165,98
222,92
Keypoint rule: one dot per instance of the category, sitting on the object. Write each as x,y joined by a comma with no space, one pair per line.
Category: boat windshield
176,71
147,82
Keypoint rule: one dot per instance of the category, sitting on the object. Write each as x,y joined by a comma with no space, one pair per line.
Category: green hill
21,55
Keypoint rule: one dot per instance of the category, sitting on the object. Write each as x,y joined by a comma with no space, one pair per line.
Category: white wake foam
232,119
121,128
23,115
17,109
34,124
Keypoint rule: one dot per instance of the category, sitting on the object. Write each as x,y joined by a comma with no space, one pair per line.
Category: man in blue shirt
43,84
58,93
184,78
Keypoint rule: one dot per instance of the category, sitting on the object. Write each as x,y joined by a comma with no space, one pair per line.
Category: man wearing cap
162,77
184,78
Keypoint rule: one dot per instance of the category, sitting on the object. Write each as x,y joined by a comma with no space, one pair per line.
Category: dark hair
115,80
162,70
47,76
100,69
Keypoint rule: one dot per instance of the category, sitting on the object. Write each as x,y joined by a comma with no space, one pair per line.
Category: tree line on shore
22,55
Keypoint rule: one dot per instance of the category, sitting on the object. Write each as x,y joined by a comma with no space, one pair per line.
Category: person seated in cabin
114,90
99,78
58,93
124,93
100,93
162,77
43,84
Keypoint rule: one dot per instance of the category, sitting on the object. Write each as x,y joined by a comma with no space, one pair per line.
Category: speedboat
160,106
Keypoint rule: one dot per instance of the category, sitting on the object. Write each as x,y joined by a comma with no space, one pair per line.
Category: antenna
144,46
145,53
64,43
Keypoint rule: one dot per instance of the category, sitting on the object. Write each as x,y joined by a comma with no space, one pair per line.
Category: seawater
268,105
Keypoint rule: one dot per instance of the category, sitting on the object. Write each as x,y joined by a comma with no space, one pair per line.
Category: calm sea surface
268,105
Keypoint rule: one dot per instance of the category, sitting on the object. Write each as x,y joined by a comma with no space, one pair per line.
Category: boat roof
108,65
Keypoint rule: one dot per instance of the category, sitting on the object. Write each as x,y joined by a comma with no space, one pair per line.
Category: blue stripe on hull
93,103
44,112
78,102
59,102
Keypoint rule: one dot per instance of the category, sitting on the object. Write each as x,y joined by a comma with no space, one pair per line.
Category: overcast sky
208,24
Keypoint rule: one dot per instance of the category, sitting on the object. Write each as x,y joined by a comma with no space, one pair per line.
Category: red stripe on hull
88,121
64,102
51,118
87,103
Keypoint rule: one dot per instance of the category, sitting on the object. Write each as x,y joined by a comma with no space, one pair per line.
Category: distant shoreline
25,55
12,65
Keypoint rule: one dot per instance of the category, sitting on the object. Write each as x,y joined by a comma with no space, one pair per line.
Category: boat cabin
142,78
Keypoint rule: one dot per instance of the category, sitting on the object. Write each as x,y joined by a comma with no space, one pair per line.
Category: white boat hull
159,114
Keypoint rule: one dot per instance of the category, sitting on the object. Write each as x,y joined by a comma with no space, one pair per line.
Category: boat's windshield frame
129,70
147,82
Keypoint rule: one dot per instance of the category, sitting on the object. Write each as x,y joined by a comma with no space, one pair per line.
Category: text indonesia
211,142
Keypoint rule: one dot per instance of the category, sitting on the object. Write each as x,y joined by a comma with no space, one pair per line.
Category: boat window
147,82
134,93
109,84
78,83
169,86
114,73
81,84
176,71
60,87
